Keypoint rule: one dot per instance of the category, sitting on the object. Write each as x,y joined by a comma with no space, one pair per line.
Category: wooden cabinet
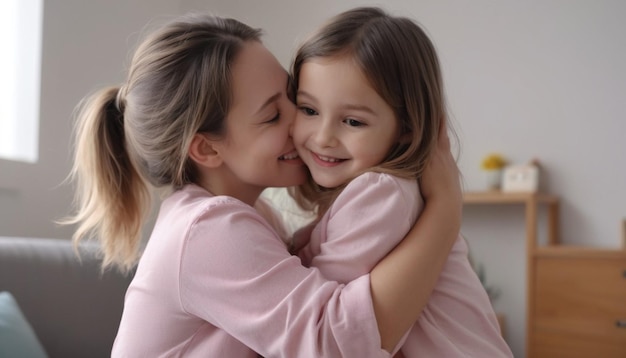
579,299
576,297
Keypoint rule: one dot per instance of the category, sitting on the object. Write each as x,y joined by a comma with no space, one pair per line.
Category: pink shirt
368,219
215,280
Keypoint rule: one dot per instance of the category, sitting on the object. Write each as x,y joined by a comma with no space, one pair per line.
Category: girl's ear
203,152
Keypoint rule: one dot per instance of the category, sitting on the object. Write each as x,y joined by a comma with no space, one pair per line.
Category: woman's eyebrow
270,100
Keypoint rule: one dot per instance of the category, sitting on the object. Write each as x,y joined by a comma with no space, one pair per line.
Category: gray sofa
73,307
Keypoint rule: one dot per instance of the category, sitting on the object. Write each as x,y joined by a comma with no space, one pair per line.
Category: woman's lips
289,156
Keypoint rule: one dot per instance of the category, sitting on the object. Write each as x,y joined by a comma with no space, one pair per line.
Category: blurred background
533,79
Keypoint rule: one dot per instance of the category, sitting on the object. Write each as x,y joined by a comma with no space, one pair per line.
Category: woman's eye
308,111
275,118
353,122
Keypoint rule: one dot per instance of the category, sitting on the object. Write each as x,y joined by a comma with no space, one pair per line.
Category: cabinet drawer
578,302
584,288
567,342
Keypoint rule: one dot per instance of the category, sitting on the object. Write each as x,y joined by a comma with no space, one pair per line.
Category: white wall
85,46
538,78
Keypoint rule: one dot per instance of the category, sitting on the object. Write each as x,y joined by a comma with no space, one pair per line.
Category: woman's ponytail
111,196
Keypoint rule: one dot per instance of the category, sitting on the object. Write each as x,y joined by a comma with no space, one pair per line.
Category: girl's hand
301,238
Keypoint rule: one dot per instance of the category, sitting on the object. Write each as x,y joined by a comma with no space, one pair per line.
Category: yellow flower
493,161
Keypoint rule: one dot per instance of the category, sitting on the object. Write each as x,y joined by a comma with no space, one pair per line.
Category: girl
370,100
205,114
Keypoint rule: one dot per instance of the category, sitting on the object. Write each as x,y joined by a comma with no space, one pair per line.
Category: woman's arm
237,275
402,282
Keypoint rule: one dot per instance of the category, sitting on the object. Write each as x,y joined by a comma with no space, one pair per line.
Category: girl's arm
402,282
372,215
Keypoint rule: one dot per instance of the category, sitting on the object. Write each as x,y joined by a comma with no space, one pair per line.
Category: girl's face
343,126
258,151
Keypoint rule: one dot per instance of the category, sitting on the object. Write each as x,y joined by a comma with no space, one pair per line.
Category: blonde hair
135,137
401,64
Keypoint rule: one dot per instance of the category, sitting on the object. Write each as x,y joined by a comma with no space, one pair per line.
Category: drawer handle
620,323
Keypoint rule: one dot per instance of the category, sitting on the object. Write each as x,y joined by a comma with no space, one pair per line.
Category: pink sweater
366,221
215,280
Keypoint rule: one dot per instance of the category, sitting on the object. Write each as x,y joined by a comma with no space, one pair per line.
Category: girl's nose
325,134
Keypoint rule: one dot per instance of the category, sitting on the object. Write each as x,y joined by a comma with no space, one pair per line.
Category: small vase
494,179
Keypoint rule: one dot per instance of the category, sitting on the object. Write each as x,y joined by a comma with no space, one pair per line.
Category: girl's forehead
343,57
342,70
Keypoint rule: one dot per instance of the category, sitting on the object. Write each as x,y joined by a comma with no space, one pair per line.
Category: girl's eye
308,111
353,122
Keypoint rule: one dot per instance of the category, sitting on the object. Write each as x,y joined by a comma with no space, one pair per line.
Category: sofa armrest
73,307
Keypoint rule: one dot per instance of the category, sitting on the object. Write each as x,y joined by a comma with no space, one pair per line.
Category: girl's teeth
328,159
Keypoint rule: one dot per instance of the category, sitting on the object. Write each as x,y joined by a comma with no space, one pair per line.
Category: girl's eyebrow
359,107
349,106
305,94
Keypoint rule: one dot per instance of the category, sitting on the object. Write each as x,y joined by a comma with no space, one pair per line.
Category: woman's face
258,151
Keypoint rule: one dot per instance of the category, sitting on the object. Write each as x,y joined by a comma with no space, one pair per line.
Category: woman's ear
203,152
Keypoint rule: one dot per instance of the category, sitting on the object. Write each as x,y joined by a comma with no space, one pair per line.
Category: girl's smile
326,161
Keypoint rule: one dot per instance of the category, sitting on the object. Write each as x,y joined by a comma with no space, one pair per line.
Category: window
20,71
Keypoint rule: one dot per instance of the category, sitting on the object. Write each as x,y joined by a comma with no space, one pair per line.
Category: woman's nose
289,116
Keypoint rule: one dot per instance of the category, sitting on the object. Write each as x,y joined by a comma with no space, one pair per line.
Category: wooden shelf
498,197
574,294
564,251
531,203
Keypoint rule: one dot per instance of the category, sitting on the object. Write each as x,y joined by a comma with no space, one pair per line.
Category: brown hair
135,137
401,64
